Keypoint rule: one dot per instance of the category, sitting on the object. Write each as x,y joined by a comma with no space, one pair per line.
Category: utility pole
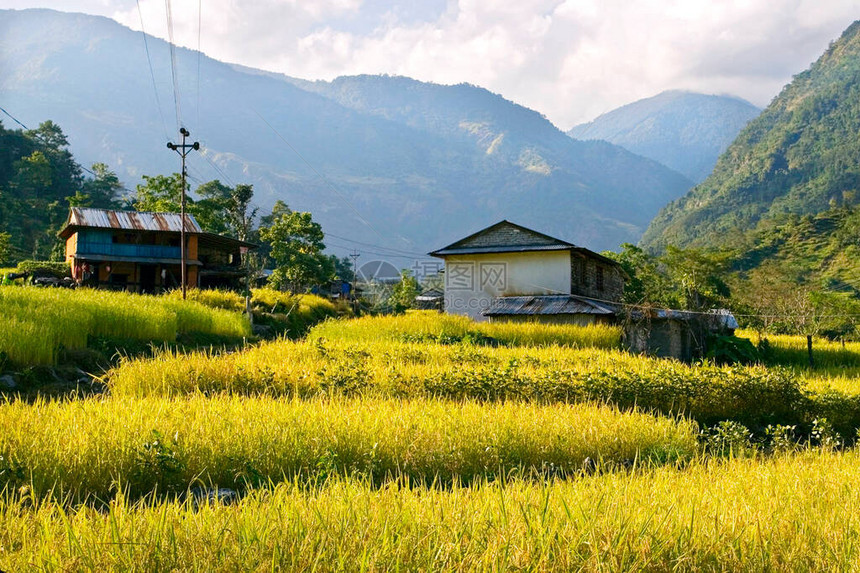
183,149
355,254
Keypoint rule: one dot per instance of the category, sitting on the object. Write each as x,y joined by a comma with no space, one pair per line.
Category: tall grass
40,321
789,350
213,298
789,513
429,326
90,447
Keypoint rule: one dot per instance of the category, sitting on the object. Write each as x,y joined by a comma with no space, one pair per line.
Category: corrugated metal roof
130,220
550,304
430,295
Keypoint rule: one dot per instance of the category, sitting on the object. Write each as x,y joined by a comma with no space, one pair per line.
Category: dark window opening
599,278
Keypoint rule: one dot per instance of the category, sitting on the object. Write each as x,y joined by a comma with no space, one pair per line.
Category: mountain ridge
684,130
384,176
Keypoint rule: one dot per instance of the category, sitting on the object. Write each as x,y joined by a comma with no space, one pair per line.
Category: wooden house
141,252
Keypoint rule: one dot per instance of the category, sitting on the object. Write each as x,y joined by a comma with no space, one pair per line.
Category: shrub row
755,396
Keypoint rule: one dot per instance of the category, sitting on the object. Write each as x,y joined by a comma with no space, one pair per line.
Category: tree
159,194
296,243
219,208
697,276
648,283
228,208
101,192
343,268
404,292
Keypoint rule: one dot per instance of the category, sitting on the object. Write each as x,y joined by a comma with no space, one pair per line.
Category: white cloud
569,59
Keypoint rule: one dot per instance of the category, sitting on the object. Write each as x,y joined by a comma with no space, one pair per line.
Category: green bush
45,268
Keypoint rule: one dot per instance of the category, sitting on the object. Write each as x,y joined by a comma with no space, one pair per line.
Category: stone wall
586,279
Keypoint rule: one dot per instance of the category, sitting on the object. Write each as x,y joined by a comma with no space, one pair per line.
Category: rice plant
95,447
787,513
755,396
40,321
428,326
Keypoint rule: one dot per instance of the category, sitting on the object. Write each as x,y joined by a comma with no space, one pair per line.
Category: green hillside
800,156
801,274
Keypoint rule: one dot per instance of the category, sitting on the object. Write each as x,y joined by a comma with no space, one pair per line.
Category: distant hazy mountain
683,130
801,156
382,160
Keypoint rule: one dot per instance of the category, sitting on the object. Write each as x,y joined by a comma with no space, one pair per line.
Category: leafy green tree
296,244
343,268
160,194
102,191
228,208
697,276
38,179
648,283
404,292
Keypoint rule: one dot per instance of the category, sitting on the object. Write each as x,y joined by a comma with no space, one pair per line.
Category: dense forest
39,180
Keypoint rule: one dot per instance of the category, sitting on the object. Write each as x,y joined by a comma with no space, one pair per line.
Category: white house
509,272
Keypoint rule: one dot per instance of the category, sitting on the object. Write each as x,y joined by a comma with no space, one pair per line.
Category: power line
176,100
13,119
214,165
199,34
377,253
413,253
151,72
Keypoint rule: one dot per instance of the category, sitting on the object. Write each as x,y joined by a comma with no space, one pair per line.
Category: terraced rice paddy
425,442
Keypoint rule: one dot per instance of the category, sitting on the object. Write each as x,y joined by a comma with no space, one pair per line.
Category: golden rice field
425,442
174,444
39,321
427,326
784,513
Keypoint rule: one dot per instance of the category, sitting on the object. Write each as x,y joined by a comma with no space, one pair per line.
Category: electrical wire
377,253
176,99
203,153
413,253
199,35
152,73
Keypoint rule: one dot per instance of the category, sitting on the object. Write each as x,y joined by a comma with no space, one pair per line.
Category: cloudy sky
569,59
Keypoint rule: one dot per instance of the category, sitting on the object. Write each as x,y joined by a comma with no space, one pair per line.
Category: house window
599,278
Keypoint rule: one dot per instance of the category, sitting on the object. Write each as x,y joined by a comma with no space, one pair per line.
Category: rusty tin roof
85,217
